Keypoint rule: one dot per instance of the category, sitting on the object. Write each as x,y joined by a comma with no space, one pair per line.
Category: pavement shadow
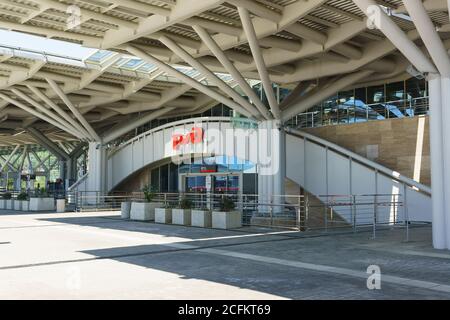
200,235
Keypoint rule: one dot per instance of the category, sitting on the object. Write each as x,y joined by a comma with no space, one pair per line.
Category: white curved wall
220,138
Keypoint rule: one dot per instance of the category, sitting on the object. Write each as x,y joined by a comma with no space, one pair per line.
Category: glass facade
391,100
226,174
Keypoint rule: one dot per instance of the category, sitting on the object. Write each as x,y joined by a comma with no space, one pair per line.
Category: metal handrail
311,122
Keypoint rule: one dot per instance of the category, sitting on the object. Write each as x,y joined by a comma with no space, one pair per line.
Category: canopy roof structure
174,57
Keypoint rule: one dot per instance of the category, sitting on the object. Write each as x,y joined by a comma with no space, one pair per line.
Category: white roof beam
64,123
342,13
210,75
22,74
34,112
259,60
74,110
132,124
348,51
258,9
59,110
396,36
430,5
8,160
307,33
188,80
429,36
182,10
234,72
130,89
167,96
90,76
214,26
142,7
281,43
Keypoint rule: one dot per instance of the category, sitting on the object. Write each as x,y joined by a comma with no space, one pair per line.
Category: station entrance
212,182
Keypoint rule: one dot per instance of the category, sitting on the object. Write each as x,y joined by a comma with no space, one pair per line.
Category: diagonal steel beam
230,67
74,110
259,60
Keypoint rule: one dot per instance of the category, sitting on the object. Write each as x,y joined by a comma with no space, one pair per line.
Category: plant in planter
42,201
21,203
201,217
227,217
182,214
226,204
145,211
7,197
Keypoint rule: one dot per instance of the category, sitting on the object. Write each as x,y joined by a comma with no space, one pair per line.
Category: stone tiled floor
97,255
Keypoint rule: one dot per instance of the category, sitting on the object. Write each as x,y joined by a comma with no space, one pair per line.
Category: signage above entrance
195,136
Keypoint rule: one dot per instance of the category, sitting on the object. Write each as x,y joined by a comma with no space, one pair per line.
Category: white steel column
439,86
271,157
445,107
97,167
437,166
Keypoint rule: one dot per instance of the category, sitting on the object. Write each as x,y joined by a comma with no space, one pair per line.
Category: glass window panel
155,178
375,94
164,178
173,177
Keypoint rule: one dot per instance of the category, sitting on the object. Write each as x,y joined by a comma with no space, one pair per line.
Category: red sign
193,137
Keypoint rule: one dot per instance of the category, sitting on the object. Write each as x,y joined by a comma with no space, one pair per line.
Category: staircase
324,168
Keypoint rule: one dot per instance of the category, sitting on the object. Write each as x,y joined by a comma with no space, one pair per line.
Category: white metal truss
189,52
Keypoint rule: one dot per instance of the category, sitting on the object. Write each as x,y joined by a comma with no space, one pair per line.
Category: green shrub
149,193
23,196
186,204
226,204
7,196
41,193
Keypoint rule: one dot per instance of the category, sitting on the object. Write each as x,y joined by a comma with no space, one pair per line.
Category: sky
41,44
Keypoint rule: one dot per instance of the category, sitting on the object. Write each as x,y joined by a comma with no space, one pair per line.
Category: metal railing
343,114
57,194
306,213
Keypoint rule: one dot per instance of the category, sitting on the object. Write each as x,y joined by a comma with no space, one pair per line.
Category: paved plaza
99,256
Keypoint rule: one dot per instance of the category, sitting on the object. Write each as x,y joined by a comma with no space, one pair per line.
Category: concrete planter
226,220
143,211
42,204
125,208
17,205
181,217
25,205
9,204
61,205
163,215
201,218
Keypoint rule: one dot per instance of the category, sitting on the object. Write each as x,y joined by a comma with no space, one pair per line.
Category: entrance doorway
216,183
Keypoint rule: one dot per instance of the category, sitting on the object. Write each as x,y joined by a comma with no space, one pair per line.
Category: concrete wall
135,182
394,143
